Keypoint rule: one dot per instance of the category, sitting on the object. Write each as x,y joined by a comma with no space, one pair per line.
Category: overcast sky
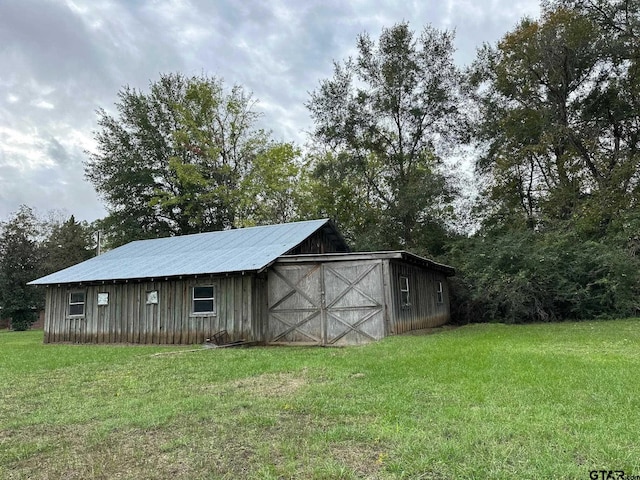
60,60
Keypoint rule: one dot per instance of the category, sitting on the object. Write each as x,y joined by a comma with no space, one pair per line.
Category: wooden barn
278,284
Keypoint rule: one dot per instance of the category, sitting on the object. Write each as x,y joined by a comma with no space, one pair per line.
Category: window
152,297
439,293
404,292
76,304
203,299
103,299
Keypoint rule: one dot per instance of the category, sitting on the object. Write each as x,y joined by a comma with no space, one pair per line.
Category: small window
203,299
440,298
404,292
152,297
76,304
103,299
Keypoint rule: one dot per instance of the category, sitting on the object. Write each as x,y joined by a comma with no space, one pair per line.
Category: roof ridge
275,225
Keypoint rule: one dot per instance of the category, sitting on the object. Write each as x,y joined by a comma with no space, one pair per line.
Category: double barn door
335,303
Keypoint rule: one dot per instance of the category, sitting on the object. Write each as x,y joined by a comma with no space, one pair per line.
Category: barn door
295,304
326,304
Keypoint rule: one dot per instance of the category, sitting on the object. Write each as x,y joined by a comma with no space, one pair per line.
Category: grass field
481,401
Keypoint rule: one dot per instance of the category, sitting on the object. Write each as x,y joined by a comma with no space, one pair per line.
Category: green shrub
22,320
527,276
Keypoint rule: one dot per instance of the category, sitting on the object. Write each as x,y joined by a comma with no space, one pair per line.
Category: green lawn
481,401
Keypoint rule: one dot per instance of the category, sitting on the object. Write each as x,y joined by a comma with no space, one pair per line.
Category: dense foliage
524,276
552,112
68,242
31,247
20,262
559,124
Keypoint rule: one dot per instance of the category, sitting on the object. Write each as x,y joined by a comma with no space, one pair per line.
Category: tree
173,160
613,110
619,21
70,242
20,262
558,120
270,192
331,191
384,118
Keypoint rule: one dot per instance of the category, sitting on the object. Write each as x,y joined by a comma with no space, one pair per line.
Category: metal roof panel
246,249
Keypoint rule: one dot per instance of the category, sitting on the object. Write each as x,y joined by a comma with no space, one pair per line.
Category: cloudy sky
60,60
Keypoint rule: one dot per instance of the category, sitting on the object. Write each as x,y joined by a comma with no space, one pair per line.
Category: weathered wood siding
318,243
424,310
240,303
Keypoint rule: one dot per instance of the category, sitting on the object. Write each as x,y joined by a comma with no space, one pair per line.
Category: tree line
550,114
33,246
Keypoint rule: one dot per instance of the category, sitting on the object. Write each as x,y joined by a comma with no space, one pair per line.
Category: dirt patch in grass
268,385
365,460
271,384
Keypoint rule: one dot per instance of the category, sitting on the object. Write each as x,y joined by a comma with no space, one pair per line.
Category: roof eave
162,278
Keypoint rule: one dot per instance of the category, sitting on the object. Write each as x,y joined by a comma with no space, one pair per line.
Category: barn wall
318,243
129,319
424,310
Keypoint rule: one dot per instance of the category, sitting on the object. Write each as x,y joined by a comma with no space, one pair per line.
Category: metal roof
240,250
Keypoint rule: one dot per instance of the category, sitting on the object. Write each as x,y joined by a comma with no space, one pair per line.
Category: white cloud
43,104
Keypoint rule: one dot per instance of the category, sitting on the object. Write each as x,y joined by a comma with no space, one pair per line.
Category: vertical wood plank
165,312
155,311
241,303
89,302
178,312
62,319
237,307
186,308
47,315
246,306
55,315
389,313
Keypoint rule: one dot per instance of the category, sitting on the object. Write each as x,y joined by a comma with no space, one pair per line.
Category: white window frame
405,299
211,299
73,304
